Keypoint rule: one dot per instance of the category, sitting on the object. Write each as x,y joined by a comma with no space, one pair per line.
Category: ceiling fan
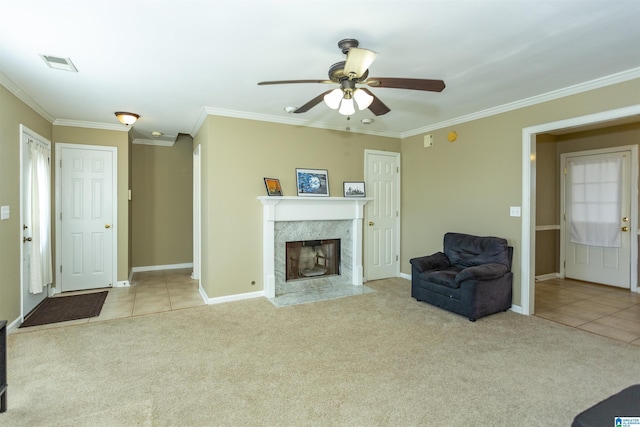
355,71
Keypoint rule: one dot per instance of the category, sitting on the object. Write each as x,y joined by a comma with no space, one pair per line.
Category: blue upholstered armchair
471,277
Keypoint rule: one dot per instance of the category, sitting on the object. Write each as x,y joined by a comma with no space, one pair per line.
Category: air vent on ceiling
59,63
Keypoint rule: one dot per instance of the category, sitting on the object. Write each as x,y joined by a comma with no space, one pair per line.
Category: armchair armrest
482,272
430,262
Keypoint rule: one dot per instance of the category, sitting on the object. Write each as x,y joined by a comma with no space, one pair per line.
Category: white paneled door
606,264
87,200
382,219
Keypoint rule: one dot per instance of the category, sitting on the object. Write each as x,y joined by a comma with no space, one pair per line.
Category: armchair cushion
464,250
482,272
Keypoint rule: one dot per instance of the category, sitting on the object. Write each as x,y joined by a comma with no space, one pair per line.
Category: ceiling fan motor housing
336,73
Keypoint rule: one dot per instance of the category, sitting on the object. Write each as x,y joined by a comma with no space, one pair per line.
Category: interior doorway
529,135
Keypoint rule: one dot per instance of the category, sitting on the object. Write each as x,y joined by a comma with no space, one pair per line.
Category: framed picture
312,182
354,189
273,187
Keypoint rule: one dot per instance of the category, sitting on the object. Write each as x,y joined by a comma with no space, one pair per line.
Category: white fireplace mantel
286,208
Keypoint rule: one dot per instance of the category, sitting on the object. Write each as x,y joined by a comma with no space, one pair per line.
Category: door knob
107,226
624,228
370,223
26,239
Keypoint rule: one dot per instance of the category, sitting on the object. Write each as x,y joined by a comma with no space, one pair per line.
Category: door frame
366,238
25,130
633,150
58,206
197,214
528,225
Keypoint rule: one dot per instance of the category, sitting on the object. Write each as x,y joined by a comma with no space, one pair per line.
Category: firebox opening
312,258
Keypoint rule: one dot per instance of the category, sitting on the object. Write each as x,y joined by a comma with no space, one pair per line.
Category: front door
382,218
598,263
29,300
87,200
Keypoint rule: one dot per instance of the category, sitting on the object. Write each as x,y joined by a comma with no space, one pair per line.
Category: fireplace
317,219
307,259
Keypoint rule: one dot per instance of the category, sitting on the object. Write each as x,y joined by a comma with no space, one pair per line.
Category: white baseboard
231,298
405,276
516,309
14,325
161,267
123,284
547,277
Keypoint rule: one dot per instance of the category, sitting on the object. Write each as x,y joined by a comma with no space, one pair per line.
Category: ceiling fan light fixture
363,99
333,98
127,119
346,107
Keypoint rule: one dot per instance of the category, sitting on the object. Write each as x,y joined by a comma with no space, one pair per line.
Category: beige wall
108,138
236,155
14,112
162,205
469,185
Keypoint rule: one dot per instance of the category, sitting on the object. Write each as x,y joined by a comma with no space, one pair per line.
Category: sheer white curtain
40,261
596,201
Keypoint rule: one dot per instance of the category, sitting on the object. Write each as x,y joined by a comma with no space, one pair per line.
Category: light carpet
377,359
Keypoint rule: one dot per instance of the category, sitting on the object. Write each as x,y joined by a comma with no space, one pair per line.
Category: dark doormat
62,309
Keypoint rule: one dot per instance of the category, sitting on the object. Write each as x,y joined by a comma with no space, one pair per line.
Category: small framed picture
354,189
273,187
312,182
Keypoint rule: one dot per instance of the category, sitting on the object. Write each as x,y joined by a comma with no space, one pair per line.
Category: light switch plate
428,141
514,211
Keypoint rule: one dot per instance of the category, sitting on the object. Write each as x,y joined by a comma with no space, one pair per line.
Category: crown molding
24,97
612,79
155,142
91,125
211,111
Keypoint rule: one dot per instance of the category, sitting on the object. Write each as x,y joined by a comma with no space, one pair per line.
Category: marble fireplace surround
303,218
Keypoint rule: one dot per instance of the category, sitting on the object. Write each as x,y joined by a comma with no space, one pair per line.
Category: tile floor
603,310
150,292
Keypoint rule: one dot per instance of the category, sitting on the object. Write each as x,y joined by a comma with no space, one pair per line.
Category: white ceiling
174,61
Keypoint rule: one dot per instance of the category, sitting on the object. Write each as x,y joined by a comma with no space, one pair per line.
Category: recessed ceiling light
59,63
366,121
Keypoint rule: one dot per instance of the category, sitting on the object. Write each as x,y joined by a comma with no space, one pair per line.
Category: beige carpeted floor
379,359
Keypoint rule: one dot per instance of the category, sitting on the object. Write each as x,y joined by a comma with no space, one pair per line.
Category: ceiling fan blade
401,83
315,101
358,62
377,107
284,82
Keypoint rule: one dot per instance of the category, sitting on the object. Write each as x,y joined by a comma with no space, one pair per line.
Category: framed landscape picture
312,182
354,189
273,187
